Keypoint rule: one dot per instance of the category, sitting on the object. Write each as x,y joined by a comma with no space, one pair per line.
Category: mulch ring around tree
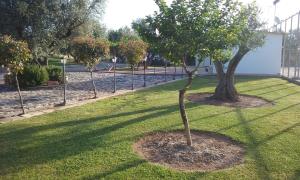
210,151
245,101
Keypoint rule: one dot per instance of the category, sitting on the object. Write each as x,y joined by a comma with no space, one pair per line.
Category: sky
120,13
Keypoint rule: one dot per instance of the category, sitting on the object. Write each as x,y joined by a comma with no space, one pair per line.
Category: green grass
94,141
56,62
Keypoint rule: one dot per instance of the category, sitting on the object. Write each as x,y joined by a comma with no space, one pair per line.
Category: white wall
265,60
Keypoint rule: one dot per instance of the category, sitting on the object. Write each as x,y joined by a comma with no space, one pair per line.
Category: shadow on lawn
75,141
254,142
296,175
25,154
26,132
120,168
265,87
260,163
258,118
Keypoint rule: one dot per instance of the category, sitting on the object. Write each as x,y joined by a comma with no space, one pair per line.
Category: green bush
55,73
32,76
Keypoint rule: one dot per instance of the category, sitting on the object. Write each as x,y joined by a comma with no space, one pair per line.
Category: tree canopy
44,24
200,29
89,51
13,54
133,50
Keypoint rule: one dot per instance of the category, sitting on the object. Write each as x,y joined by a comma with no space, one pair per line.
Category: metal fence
290,27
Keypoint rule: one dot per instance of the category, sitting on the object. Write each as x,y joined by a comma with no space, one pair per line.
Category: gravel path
79,88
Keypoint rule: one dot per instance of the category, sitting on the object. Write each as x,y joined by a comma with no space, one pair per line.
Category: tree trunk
132,76
183,114
225,90
174,75
94,86
182,92
20,95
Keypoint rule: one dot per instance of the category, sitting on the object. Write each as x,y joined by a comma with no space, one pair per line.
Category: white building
265,60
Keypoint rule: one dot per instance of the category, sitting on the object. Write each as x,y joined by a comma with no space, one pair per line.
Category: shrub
32,76
133,50
55,73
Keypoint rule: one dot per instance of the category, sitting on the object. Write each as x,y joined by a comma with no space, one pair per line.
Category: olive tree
89,51
134,51
13,55
247,35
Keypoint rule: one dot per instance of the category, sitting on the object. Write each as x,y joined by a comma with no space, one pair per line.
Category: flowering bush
89,51
133,50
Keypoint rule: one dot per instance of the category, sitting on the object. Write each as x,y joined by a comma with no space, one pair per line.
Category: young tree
134,51
195,28
90,51
247,30
177,32
13,55
118,36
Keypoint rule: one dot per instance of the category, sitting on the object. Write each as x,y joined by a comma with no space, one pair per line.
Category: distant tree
13,55
91,28
90,51
116,36
122,33
45,24
134,51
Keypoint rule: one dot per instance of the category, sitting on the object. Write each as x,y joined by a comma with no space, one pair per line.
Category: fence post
298,63
283,55
284,49
165,71
298,50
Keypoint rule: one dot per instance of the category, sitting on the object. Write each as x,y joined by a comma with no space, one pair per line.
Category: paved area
79,89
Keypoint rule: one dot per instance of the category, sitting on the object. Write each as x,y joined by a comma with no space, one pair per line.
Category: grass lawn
94,141
56,62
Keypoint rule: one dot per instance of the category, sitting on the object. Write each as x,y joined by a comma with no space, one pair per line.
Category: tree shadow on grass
120,168
68,144
296,175
286,130
287,95
254,143
30,130
275,90
260,163
258,118
264,87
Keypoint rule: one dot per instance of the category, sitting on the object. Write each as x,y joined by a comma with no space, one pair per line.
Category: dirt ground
245,101
210,151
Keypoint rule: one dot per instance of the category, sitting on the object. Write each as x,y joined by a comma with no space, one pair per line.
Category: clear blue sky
120,13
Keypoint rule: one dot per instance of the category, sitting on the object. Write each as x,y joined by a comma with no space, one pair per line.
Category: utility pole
275,4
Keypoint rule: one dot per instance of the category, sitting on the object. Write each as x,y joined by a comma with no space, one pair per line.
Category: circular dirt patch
245,101
209,152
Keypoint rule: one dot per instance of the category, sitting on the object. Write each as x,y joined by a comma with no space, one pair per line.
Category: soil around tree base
244,101
210,151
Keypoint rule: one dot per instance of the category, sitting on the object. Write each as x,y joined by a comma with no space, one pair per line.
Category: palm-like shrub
134,51
89,51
